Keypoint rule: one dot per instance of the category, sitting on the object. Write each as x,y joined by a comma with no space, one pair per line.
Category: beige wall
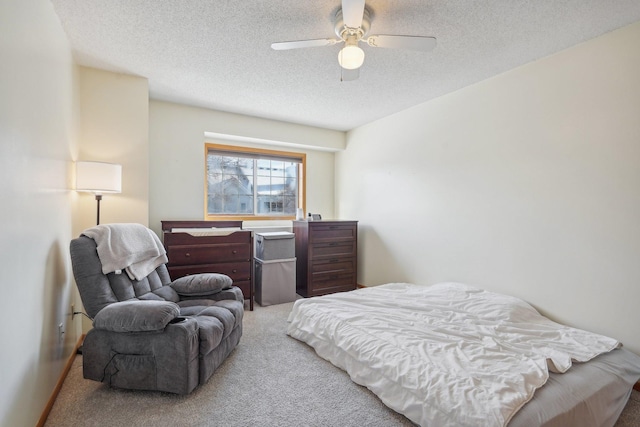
51,114
527,183
114,128
177,138
38,126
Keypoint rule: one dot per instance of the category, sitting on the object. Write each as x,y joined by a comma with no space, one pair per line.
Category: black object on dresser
326,256
230,254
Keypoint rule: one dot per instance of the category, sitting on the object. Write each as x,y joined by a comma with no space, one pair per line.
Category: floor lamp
98,178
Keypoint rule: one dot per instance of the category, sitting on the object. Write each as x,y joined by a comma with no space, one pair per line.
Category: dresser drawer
341,248
334,264
238,271
208,254
322,283
325,232
185,239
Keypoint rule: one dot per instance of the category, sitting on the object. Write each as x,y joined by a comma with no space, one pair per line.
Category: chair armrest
201,285
233,293
136,316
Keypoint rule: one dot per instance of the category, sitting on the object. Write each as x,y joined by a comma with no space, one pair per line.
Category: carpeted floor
630,417
270,379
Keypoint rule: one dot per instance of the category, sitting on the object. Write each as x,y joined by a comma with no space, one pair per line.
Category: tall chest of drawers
326,256
230,254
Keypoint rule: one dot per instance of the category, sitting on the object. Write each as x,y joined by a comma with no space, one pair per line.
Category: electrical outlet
61,332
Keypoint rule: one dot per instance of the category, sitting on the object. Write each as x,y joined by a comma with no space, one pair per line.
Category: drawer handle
187,254
234,251
333,244
333,227
334,260
234,271
334,277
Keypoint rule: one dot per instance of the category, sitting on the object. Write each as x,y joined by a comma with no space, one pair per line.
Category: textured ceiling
216,54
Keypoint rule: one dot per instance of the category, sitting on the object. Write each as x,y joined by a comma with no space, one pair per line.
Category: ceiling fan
352,23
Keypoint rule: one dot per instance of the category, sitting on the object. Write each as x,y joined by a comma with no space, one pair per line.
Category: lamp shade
98,177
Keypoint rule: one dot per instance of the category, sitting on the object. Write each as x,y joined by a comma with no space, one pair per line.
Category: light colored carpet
630,416
270,379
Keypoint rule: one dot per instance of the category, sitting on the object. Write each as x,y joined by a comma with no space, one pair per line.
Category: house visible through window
244,182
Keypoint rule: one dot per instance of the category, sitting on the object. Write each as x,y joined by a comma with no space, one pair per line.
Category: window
246,183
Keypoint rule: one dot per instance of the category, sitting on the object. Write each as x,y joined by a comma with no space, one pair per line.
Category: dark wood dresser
230,254
327,254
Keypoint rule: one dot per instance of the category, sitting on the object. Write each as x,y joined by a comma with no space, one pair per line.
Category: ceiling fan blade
424,44
303,43
348,75
352,12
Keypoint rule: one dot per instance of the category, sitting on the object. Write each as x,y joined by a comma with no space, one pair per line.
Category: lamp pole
98,198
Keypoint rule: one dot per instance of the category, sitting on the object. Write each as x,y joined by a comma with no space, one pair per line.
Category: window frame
240,150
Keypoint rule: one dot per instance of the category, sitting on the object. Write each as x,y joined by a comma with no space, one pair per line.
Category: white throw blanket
442,355
130,247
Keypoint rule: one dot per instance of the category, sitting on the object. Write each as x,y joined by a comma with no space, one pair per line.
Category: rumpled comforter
442,355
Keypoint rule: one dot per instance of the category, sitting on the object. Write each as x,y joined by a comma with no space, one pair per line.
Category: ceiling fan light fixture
352,25
351,57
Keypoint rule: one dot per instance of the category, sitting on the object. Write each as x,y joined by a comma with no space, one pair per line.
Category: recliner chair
154,334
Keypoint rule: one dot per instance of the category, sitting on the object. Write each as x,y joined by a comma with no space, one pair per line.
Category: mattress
588,395
451,354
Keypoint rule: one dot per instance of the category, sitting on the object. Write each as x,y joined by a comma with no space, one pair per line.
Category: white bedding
447,354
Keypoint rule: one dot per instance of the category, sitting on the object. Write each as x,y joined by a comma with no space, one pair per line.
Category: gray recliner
154,334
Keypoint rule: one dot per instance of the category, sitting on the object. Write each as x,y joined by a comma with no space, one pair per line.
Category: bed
456,355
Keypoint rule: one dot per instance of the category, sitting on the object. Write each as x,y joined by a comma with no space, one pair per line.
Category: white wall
177,138
114,128
527,183
38,126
